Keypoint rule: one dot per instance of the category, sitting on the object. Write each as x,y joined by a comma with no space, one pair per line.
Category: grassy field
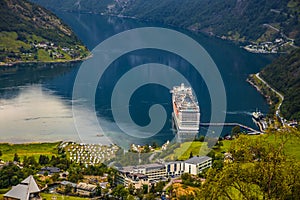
292,147
15,49
8,40
31,149
55,197
59,197
183,152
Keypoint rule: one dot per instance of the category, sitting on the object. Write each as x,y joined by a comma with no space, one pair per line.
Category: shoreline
258,89
30,143
267,96
11,64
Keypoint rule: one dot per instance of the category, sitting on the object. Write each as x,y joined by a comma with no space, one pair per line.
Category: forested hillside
237,20
90,6
234,19
29,32
284,75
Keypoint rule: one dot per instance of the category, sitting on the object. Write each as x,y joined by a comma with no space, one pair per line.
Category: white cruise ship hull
184,128
186,112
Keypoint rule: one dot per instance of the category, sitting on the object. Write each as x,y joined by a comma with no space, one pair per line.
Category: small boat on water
257,116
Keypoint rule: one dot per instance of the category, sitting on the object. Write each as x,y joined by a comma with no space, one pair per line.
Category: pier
251,130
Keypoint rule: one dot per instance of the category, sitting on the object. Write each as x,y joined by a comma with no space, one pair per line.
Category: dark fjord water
36,101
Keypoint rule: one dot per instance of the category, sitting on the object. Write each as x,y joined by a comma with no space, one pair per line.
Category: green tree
16,158
130,197
154,145
55,177
149,196
30,162
120,191
159,187
191,154
145,188
236,131
131,189
98,190
10,175
43,160
146,149
68,189
260,170
201,138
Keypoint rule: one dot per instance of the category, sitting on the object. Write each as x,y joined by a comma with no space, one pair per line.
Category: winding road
280,95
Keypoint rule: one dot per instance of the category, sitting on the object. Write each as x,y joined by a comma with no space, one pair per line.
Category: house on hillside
48,170
85,189
26,190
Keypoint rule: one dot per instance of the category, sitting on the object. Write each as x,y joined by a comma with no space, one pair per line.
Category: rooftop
23,190
85,186
197,160
137,176
68,183
50,170
146,166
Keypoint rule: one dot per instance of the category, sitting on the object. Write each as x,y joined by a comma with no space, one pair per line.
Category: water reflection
35,100
35,114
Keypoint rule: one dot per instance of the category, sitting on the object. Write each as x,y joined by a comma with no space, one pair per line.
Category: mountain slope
234,19
29,32
284,75
94,6
238,20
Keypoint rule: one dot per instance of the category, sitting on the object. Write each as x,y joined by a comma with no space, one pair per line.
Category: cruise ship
186,111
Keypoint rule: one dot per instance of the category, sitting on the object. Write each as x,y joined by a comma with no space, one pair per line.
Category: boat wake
238,113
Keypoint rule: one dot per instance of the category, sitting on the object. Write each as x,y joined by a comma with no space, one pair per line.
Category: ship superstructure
259,120
186,110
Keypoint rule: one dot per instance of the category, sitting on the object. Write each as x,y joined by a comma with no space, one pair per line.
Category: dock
251,130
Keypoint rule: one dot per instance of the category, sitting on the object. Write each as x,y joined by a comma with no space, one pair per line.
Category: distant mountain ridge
31,33
238,20
91,6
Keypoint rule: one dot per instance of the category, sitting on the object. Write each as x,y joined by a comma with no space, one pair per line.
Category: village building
26,190
85,189
152,173
48,170
196,165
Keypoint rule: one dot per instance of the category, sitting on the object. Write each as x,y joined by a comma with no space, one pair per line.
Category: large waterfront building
140,175
196,165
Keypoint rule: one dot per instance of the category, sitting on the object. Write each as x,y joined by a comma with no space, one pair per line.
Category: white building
175,168
154,171
196,165
160,172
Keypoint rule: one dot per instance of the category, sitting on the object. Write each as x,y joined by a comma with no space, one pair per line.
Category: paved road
272,27
280,95
169,184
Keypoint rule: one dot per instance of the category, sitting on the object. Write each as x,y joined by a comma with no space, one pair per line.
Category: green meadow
292,147
30,149
60,197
